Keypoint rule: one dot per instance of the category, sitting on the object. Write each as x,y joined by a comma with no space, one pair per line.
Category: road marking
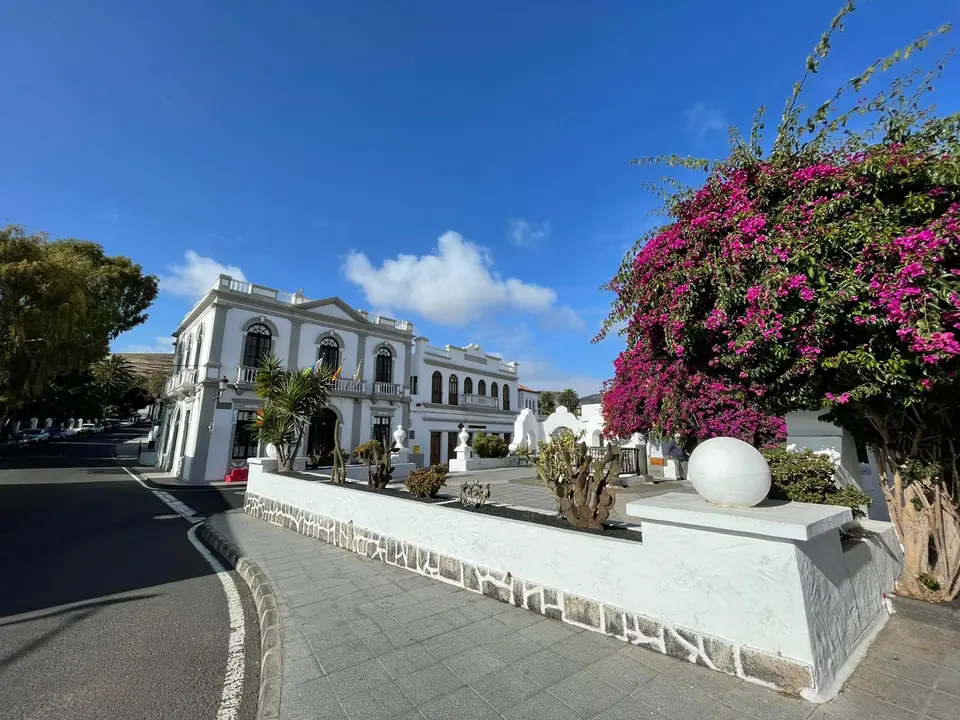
233,680
172,516
178,507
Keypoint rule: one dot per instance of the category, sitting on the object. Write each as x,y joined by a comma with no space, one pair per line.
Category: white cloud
162,344
455,286
702,119
524,233
196,276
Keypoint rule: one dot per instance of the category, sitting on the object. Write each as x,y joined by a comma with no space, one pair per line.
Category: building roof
147,364
524,388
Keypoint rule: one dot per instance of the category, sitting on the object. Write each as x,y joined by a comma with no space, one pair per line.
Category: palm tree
290,399
569,399
112,378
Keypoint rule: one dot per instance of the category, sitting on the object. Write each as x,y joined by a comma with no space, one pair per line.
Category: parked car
36,435
87,429
57,433
13,441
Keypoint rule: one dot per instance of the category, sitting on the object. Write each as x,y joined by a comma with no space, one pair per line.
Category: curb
271,660
927,611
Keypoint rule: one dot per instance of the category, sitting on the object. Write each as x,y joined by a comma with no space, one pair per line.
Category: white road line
233,680
178,507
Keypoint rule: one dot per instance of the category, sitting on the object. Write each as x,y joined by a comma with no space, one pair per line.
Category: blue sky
461,165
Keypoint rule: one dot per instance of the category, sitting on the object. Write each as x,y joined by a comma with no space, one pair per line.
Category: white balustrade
479,401
384,388
348,385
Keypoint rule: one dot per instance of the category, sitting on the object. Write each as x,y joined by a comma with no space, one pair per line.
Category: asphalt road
107,610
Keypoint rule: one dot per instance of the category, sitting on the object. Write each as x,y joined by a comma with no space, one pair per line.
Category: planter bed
767,594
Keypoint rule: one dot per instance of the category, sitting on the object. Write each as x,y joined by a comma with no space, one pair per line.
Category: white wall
307,353
807,601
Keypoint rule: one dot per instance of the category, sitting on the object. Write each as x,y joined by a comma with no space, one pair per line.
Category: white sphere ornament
272,451
729,472
464,437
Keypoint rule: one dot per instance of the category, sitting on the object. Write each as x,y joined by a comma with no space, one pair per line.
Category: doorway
320,439
452,441
435,458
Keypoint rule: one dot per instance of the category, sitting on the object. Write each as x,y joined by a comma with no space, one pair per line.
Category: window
196,357
414,385
381,431
506,396
481,388
452,390
244,438
328,353
436,387
257,344
494,391
467,386
383,365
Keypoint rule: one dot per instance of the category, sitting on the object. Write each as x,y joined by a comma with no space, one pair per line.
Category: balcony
349,385
479,401
186,376
246,375
388,389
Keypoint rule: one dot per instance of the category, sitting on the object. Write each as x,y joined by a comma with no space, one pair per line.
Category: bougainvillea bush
823,273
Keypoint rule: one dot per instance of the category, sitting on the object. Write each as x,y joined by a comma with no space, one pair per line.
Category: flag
336,375
356,375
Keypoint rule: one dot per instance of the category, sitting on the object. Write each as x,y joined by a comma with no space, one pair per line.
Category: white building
205,431
529,399
454,386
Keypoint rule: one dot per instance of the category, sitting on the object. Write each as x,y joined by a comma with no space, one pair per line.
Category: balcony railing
247,375
186,376
385,388
439,352
479,401
349,385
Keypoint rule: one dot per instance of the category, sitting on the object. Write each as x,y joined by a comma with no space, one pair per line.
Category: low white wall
804,602
477,463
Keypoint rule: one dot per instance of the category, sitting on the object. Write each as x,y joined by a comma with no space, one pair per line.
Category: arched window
452,390
256,345
467,386
481,388
328,353
383,365
506,396
494,393
436,387
196,356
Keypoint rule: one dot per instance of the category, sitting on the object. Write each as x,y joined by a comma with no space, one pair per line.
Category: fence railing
247,374
349,385
385,388
633,461
479,401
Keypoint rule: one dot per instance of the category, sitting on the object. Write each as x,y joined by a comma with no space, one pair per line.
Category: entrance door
320,438
435,448
452,441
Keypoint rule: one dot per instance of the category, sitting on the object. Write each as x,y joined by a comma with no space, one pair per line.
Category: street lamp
222,387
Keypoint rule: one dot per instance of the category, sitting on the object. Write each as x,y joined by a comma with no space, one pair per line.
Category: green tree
113,379
569,399
61,303
290,399
547,402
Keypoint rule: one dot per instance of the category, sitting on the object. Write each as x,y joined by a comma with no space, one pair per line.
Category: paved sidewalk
367,641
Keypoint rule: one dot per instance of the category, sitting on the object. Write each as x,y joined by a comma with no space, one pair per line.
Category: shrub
490,446
426,482
806,476
368,451
474,494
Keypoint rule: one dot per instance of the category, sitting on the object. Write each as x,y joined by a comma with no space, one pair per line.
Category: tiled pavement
367,641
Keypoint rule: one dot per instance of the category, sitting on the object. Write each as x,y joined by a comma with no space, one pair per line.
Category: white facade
204,434
454,386
529,399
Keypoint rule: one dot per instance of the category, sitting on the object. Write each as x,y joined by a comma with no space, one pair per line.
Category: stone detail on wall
712,652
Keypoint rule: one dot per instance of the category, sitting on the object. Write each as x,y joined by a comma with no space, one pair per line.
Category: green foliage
806,476
490,446
61,303
525,454
569,399
426,482
290,399
474,494
547,403
554,456
368,450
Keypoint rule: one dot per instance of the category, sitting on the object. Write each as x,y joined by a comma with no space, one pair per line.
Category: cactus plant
379,469
474,494
580,484
338,473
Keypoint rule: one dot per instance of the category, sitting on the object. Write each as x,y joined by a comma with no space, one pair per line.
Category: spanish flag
336,375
